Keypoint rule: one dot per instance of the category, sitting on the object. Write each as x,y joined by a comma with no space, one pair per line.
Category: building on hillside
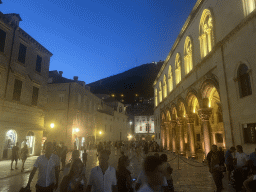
24,68
113,123
205,91
144,125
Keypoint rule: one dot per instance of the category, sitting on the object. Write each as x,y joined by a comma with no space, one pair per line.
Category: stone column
205,114
173,130
168,136
180,123
191,133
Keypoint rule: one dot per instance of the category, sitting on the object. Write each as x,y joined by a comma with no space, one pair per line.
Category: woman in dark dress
124,180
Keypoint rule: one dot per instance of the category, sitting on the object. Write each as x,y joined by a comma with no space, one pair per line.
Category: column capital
205,113
180,120
190,118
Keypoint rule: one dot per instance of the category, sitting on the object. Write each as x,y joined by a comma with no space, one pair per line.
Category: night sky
94,39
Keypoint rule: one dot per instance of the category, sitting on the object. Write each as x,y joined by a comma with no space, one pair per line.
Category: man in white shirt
241,158
48,175
154,173
103,177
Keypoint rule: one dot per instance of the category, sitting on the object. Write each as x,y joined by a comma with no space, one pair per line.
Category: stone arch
188,55
206,32
178,68
168,116
207,83
192,94
181,106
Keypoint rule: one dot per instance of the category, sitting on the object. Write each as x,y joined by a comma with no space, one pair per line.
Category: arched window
160,92
188,62
206,33
249,6
156,98
170,81
244,81
164,86
178,68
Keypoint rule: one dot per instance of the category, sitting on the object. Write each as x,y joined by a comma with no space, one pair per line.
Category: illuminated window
188,55
249,6
160,91
164,87
156,98
170,81
178,68
244,81
206,33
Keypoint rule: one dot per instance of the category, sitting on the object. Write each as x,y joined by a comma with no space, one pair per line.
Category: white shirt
46,174
241,159
142,179
100,182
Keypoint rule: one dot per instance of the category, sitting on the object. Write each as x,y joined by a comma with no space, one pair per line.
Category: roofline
183,29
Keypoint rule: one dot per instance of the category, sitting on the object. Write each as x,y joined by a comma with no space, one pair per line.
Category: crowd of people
155,175
240,168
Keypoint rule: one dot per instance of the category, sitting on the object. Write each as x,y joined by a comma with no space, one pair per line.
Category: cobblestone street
186,176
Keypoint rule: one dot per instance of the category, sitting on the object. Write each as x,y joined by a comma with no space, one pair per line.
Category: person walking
215,168
240,162
229,161
73,181
154,175
167,172
252,157
102,177
15,155
23,156
63,155
48,175
124,180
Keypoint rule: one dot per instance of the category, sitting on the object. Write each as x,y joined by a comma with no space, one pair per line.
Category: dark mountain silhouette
138,80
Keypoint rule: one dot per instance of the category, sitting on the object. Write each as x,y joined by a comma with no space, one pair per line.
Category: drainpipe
10,60
226,84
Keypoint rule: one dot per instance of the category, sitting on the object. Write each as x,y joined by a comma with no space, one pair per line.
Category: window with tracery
160,92
206,33
244,81
170,81
249,6
156,98
164,87
178,68
188,62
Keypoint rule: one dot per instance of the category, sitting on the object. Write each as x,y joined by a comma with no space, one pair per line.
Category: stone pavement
5,167
187,177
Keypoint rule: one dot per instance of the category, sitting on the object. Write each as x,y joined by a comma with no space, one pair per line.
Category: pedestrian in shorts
15,155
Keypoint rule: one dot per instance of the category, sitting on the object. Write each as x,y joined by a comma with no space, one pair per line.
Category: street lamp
52,125
100,132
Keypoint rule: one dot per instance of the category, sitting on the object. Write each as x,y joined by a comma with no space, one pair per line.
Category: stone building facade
144,127
80,117
205,91
24,67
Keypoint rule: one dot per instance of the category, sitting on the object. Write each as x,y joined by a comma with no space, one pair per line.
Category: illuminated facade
212,100
24,67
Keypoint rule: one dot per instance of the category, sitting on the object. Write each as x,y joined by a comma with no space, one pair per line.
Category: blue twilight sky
94,39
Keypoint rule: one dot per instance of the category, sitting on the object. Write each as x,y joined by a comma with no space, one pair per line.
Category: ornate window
249,6
170,81
178,68
156,98
206,33
164,87
188,62
244,81
160,92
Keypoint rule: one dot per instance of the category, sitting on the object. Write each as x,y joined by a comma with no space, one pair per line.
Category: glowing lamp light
130,136
76,129
52,125
100,132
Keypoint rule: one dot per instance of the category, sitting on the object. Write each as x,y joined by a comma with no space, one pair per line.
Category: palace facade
205,91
